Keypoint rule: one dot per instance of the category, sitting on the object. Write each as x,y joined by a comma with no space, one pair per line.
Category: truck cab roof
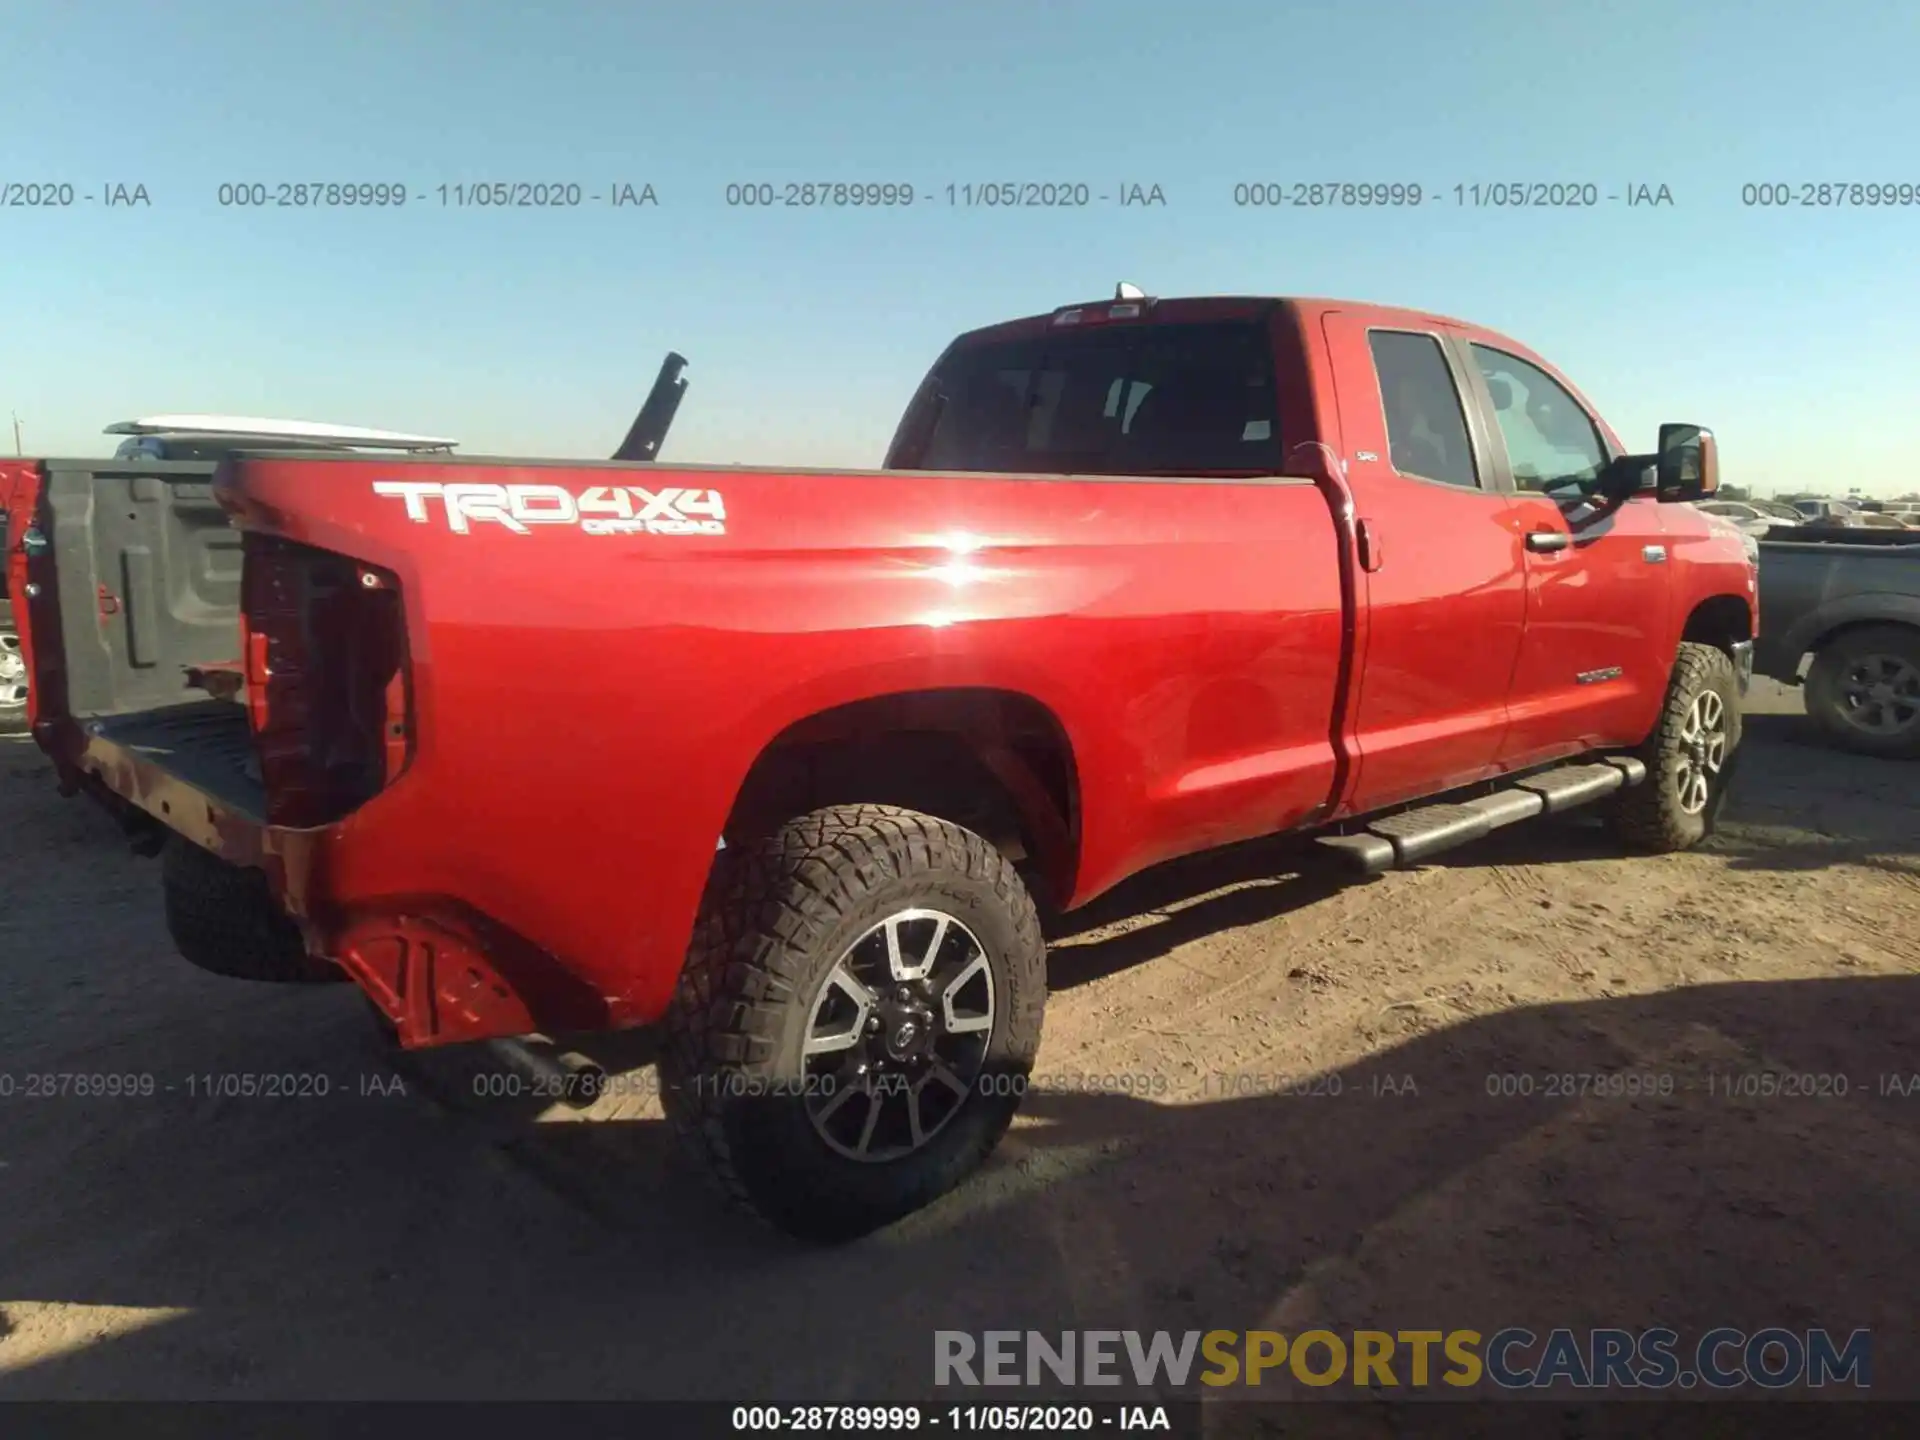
1176,354
1199,309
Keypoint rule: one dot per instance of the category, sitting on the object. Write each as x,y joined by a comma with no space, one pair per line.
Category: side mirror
1624,477
1688,467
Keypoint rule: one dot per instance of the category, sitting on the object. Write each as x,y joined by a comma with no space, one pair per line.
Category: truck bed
1817,581
413,631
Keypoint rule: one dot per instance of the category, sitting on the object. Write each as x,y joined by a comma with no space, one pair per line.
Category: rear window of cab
1109,400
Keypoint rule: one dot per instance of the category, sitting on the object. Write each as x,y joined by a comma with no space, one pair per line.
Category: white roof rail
255,427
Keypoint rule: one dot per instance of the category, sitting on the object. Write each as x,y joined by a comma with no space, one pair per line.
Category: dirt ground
378,1244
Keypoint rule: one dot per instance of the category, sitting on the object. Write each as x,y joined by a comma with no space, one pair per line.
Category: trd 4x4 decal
598,510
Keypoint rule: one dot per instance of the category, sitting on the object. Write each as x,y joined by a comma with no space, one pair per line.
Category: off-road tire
1649,816
224,920
1826,689
777,916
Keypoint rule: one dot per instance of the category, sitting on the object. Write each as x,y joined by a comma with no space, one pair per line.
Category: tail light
326,679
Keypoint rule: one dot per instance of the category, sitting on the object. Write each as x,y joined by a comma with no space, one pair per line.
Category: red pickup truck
781,760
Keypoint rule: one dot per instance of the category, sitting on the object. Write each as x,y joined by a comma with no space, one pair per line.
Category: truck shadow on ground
1797,804
363,1244
1183,901
373,1254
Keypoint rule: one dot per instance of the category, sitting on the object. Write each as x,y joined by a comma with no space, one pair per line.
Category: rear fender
1780,656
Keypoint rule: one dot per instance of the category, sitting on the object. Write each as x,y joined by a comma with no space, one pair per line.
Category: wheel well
1848,627
1722,621
997,762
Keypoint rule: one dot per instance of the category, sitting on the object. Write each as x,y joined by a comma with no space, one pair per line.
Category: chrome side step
1395,842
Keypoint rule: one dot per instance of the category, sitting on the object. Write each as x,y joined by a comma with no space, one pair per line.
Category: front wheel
1689,756
857,1017
1864,690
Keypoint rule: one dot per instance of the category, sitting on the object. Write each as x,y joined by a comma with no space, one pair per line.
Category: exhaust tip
567,1076
586,1080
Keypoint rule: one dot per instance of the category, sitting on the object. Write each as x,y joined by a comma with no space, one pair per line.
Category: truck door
1594,657
1442,581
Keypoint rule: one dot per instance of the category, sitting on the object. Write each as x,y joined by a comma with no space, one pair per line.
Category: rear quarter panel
587,706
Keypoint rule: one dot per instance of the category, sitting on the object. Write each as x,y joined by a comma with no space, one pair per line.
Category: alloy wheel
898,1034
1880,694
13,673
1703,751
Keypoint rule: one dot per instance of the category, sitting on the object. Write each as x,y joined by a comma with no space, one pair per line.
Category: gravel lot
379,1244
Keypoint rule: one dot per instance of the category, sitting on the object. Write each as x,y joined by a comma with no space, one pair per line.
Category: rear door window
1426,422
1120,400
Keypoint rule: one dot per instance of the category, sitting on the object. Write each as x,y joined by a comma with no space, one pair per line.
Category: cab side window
1552,443
1426,423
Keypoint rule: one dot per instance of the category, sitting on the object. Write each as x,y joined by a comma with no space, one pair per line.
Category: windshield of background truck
1113,400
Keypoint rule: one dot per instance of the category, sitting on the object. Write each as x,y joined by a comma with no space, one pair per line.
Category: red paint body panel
1599,604
1186,638
1223,657
1444,606
38,623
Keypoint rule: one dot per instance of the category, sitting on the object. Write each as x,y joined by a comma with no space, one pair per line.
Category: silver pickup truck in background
1850,598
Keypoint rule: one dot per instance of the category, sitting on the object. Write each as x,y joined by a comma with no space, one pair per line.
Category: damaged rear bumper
440,971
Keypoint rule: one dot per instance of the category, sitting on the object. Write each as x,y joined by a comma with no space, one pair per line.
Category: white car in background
1750,518
1827,512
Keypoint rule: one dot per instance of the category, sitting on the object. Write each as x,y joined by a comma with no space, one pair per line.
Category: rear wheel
224,920
1864,690
857,1018
1689,756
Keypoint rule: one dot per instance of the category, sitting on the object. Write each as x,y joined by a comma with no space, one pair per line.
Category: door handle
1546,540
1368,543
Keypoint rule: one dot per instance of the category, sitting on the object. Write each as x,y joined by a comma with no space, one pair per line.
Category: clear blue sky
1792,331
